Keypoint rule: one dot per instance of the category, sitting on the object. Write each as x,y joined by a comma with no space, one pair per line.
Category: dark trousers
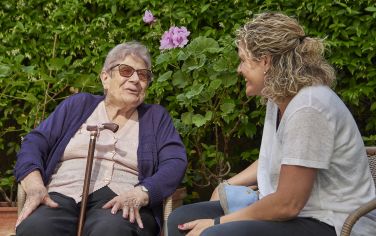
46,221
209,210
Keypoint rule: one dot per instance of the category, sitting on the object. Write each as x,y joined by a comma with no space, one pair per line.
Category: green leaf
204,7
165,57
221,65
28,69
165,76
208,115
20,26
4,70
230,80
113,9
198,120
194,91
179,80
56,63
202,59
227,107
215,84
182,56
201,44
371,9
186,118
18,59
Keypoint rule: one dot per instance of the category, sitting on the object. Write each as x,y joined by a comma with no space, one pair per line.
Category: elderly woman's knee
36,226
115,228
104,224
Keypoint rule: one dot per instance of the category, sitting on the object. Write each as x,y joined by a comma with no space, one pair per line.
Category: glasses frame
149,73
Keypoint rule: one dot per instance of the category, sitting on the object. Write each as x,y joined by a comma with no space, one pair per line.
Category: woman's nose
134,77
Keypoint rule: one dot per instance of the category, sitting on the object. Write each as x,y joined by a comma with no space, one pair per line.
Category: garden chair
367,207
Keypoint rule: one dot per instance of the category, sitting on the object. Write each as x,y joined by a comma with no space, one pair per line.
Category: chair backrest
371,152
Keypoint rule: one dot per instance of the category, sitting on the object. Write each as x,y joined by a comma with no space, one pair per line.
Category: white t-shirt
318,131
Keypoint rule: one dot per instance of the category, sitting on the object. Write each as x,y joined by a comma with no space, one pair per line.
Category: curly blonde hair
297,61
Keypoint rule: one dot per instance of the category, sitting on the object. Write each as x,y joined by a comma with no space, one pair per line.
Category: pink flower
148,17
174,37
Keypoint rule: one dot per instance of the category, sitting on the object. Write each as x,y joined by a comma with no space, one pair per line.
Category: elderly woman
312,169
134,168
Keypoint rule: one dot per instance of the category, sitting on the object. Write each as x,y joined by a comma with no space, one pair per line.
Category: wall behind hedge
51,49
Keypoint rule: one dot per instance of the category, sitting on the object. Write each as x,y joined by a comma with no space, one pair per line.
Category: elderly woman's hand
130,202
34,197
36,194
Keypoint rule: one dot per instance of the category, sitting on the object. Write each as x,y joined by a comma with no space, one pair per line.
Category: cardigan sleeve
37,145
171,160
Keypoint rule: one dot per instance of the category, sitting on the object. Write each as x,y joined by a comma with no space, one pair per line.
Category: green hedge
51,49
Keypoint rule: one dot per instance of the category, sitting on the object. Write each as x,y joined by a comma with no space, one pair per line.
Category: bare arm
294,188
247,177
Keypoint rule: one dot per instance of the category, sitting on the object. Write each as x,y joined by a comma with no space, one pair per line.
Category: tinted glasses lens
126,71
144,75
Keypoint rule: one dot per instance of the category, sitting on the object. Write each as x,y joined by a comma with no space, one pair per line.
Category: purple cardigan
161,155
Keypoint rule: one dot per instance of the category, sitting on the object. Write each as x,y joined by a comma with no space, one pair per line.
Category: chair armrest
21,198
167,207
170,203
355,215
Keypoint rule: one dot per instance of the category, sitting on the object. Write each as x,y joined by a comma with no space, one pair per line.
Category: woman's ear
266,62
105,79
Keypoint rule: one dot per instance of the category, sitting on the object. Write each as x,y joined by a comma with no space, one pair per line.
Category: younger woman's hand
196,227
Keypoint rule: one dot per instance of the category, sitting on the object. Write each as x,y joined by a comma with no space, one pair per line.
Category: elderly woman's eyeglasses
144,75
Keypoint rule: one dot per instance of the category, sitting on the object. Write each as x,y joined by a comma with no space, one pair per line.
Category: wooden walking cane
95,129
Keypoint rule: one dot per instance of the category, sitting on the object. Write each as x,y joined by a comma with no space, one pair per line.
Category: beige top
115,158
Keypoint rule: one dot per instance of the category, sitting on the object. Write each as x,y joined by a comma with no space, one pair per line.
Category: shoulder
316,105
152,109
82,99
318,99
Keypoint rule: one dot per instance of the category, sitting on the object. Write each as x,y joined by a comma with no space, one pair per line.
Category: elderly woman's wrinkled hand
130,202
35,197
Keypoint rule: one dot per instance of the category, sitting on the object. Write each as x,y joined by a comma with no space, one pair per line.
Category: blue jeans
209,210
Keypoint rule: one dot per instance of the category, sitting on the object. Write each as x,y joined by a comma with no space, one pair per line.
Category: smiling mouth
134,91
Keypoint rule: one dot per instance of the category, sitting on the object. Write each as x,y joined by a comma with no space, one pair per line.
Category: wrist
145,194
226,182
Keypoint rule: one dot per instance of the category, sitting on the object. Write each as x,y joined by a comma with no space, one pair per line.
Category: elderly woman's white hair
121,51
